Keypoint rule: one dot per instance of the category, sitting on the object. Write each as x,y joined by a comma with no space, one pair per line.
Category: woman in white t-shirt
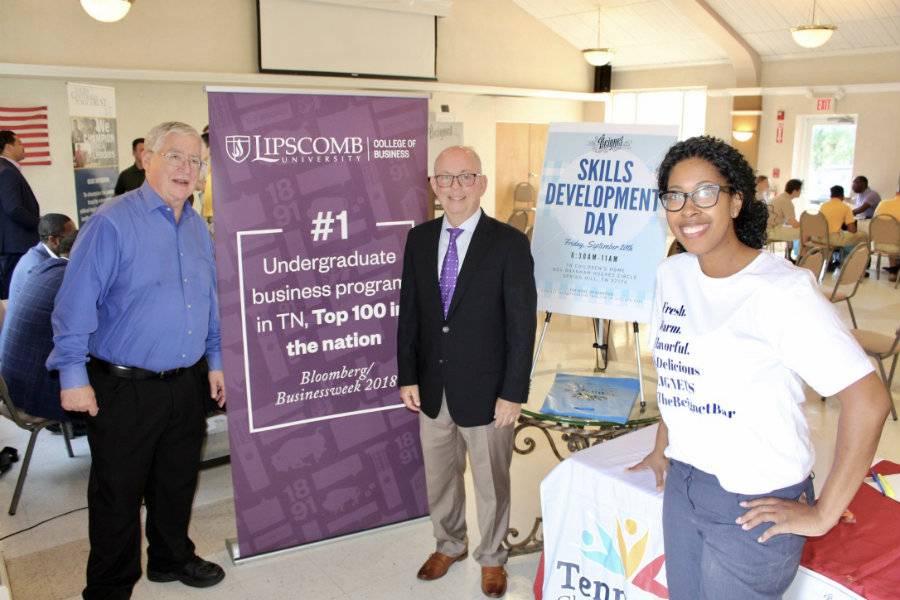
735,332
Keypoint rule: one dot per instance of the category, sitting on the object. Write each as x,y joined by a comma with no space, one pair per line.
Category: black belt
136,372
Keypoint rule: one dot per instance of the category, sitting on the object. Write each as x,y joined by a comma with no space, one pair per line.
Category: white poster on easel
599,230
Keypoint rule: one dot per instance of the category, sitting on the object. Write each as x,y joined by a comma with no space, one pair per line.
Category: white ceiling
653,32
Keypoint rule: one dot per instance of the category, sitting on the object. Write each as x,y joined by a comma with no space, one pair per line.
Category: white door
824,147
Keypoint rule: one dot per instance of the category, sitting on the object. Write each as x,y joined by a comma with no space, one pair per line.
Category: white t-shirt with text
731,354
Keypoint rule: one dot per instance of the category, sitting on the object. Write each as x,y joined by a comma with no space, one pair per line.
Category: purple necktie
449,269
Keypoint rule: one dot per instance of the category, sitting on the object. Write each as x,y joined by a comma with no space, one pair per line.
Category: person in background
52,229
891,207
28,338
746,330
137,345
842,225
206,208
762,189
464,340
865,199
783,225
19,210
133,177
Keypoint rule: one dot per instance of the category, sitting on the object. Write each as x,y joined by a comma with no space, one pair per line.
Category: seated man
783,225
841,223
52,228
28,339
891,207
762,189
865,199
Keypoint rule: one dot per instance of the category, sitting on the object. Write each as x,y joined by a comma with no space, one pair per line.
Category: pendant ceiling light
598,56
814,34
107,11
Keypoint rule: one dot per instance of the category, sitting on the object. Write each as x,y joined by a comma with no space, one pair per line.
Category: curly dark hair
750,224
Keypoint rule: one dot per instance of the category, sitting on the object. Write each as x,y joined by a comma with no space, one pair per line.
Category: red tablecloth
863,556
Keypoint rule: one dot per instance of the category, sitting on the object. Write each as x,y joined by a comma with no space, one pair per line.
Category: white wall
139,106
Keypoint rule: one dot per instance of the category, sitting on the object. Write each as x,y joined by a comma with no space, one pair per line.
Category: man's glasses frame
463,179
177,159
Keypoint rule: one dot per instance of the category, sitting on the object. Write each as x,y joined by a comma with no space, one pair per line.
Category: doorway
520,160
824,148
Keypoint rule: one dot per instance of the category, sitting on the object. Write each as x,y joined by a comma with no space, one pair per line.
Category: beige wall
833,70
494,42
711,76
825,70
182,35
480,115
877,152
878,134
489,42
140,106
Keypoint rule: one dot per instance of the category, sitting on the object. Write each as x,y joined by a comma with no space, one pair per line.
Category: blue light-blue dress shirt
139,291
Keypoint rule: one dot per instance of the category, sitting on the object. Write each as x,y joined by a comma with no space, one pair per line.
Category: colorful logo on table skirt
621,556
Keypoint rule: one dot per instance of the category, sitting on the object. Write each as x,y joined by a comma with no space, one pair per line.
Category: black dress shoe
196,573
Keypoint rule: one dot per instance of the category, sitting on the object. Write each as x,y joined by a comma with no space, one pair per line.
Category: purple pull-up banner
314,195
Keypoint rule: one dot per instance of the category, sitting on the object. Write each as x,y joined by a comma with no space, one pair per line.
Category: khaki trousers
444,446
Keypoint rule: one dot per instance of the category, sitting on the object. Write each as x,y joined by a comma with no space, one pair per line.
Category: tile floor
382,564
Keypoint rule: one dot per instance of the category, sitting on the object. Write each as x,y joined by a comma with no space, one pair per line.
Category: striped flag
29,123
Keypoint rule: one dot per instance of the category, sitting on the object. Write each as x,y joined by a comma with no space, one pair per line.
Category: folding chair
884,232
814,234
880,347
34,425
814,261
852,273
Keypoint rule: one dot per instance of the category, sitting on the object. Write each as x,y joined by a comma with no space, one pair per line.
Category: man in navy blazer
52,228
19,210
464,342
28,339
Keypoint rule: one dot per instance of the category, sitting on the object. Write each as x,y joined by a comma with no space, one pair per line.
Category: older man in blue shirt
136,333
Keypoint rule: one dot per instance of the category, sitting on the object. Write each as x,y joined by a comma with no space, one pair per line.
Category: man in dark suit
464,343
28,339
52,229
20,210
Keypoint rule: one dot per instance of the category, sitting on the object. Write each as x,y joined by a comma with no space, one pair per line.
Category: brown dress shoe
437,565
493,581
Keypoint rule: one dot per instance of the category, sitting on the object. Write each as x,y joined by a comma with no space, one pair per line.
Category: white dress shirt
462,241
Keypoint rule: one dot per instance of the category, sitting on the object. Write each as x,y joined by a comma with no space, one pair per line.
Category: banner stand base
234,551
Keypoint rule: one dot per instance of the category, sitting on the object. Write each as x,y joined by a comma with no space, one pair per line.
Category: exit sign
825,105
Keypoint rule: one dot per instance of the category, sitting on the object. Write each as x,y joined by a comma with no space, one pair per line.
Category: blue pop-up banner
599,232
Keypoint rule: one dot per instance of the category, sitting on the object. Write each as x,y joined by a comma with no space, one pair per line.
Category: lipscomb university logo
237,147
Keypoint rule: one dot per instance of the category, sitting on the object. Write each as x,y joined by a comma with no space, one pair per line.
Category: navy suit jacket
28,340
20,211
35,256
482,350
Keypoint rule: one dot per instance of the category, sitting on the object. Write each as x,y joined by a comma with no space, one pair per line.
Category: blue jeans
708,555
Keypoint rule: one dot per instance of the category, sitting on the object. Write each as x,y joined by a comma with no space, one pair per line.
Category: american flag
29,123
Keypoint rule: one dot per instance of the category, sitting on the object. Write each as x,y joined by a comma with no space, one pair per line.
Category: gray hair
467,149
153,141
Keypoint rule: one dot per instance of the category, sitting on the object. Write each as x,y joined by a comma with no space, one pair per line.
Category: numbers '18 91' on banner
314,196
598,232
